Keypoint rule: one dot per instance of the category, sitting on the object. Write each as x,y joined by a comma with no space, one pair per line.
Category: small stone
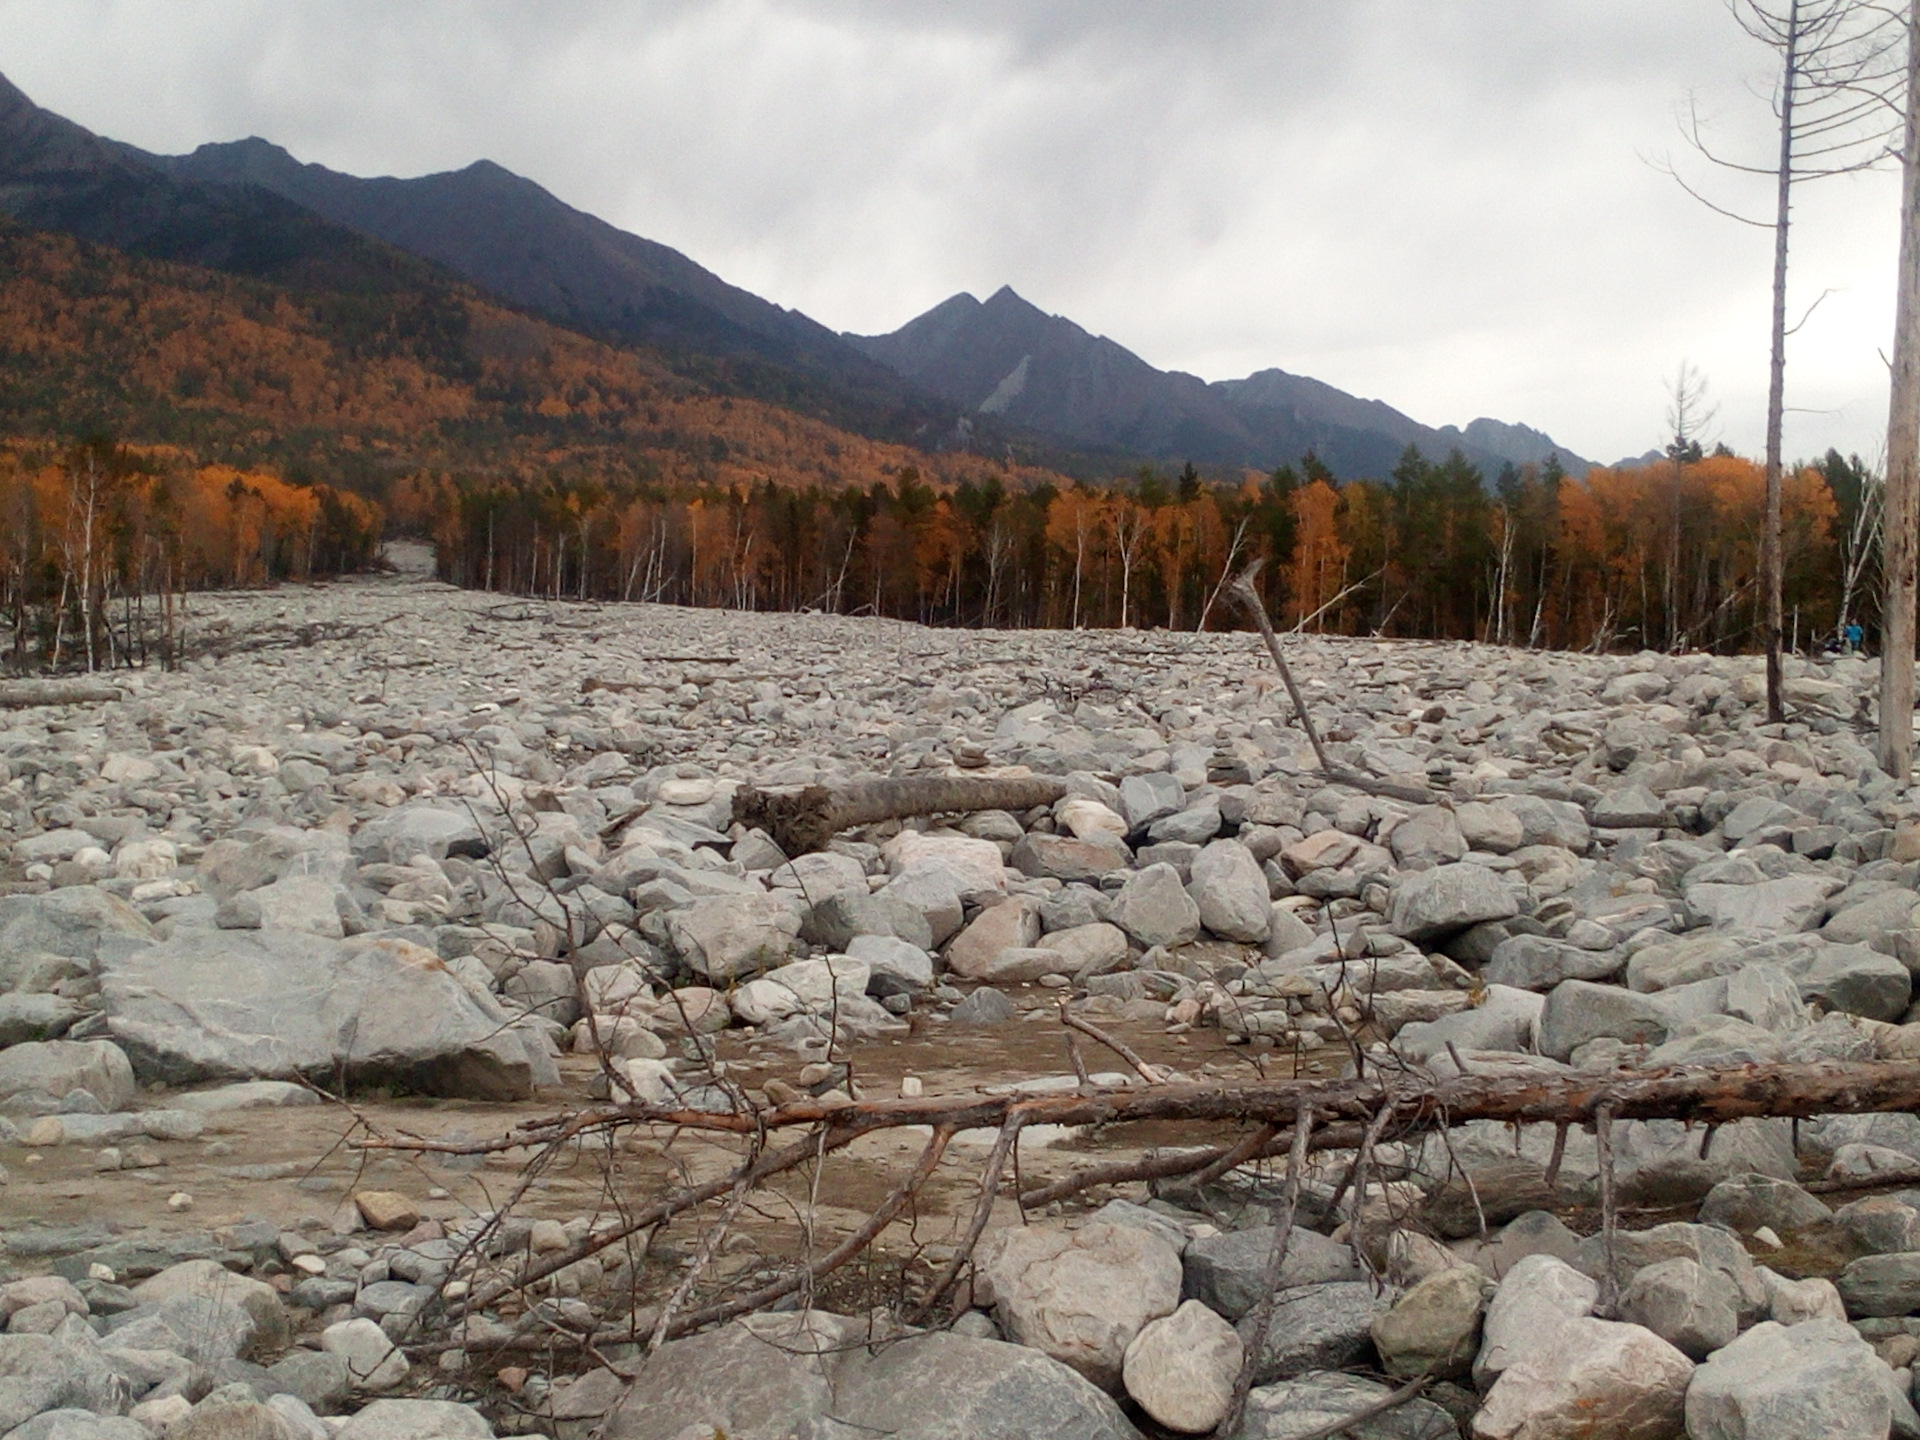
179,1202
386,1210
372,1361
985,1006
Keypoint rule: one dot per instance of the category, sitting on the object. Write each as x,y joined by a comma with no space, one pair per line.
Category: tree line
1665,555
97,540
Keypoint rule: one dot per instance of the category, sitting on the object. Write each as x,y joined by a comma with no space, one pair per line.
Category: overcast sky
1449,205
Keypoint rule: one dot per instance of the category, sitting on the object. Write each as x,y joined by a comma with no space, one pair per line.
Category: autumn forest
165,428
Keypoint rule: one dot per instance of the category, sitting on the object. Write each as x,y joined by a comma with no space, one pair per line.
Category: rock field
471,859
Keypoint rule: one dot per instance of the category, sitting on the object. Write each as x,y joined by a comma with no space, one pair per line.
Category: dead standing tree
1839,62
1901,502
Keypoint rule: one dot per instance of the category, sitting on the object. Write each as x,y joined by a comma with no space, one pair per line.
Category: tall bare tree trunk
1770,566
1901,507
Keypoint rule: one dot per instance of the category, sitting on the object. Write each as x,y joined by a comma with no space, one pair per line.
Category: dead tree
1838,65
1901,504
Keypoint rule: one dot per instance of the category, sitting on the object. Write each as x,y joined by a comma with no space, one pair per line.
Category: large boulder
1877,1285
1318,1327
1747,1202
416,829
770,1377
1012,924
1313,1403
1579,1010
1559,823
1539,1294
242,1005
1708,1245
1434,1328
1081,1296
1854,979
1231,892
1506,1019
1227,1270
1432,904
727,937
39,1070
1771,907
1429,836
1779,1382
1686,1304
43,1372
77,921
415,1420
1586,1379
210,1280
1155,909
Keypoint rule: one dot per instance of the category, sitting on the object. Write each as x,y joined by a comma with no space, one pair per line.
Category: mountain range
999,376
1007,357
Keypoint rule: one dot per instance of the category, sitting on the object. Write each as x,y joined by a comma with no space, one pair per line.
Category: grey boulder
1781,1382
1227,1271
771,1377
1309,1404
1318,1327
1231,893
1155,909
238,1005
57,1068
1432,904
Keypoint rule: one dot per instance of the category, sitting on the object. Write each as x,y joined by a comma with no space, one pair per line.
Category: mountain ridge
511,236
994,376
1006,356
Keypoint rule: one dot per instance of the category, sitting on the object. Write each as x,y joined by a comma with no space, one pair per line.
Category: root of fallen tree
804,820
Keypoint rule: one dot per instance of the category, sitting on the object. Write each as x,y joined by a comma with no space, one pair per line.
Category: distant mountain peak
1007,357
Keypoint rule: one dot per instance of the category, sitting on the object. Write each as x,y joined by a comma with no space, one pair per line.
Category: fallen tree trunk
1344,1114
21,694
804,820
1708,1095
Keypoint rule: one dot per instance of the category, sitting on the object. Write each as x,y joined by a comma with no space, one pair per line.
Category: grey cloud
1444,204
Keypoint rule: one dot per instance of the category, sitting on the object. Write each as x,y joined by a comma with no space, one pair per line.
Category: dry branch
1249,598
804,820
1207,1163
1152,1074
1270,1280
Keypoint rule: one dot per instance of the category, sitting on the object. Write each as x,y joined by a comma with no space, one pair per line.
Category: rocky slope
388,834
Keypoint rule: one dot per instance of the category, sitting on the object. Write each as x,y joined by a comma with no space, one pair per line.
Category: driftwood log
21,694
804,820
1708,1095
